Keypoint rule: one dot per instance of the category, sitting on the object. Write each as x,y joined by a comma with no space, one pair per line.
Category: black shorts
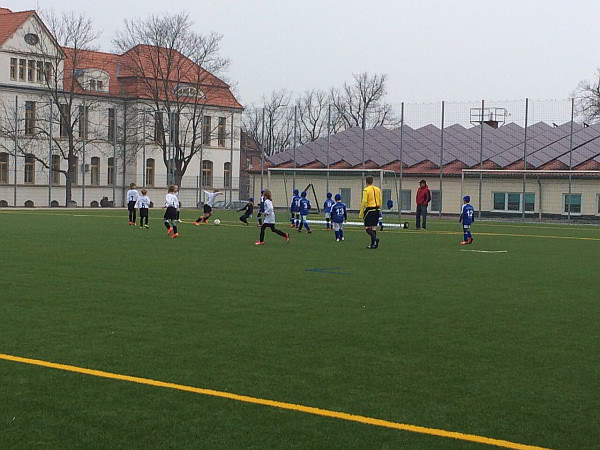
131,206
207,209
371,217
171,213
143,212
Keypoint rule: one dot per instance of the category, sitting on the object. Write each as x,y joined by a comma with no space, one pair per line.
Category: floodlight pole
144,148
84,128
15,146
50,173
399,195
364,125
479,208
328,141
295,143
525,158
114,174
442,158
571,158
231,163
262,151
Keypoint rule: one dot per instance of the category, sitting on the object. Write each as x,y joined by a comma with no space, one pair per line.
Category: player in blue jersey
467,217
327,209
261,208
339,214
295,210
304,208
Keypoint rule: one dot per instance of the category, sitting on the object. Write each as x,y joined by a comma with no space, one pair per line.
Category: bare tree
587,95
362,104
62,119
176,71
313,111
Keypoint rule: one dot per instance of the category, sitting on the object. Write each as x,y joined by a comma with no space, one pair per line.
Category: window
406,200
3,168
29,118
346,194
48,72
29,204
13,68
3,203
56,170
227,174
29,169
436,201
31,71
22,65
84,120
40,72
75,173
512,201
206,130
64,119
111,125
99,85
159,130
95,171
207,173
92,85
111,171
575,202
150,165
387,195
221,131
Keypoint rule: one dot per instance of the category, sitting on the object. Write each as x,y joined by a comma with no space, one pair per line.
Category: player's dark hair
144,191
369,179
171,188
131,185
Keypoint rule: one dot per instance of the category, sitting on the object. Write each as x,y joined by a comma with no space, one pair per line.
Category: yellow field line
277,404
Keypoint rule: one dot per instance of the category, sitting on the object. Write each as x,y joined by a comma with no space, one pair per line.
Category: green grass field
501,345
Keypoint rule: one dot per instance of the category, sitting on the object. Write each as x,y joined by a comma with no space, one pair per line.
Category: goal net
533,194
349,183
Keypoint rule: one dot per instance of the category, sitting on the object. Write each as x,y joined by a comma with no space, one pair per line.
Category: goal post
532,194
349,183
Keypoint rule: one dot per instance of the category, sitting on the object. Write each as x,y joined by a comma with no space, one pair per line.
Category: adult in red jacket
423,199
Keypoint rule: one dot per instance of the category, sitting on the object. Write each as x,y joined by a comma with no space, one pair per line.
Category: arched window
29,176
94,204
111,171
95,175
227,174
207,173
3,203
29,204
54,204
3,168
150,165
56,170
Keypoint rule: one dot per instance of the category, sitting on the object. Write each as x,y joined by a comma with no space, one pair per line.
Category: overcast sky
431,50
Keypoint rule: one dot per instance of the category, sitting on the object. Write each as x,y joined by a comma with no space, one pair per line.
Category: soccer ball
217,222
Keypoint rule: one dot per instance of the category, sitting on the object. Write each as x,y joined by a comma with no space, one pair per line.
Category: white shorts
337,226
327,215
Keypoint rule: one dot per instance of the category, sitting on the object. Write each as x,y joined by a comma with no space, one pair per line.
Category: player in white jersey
208,206
171,203
143,203
269,220
132,196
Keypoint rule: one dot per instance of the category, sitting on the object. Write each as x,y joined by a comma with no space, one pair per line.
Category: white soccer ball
217,222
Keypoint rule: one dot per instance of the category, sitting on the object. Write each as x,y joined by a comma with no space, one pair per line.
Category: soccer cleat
337,240
309,231
169,231
287,238
196,223
470,241
259,243
464,242
342,238
146,226
176,235
376,243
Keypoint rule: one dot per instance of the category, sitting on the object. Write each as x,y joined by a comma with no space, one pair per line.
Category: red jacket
423,196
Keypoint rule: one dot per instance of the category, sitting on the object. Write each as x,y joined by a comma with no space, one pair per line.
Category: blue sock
341,234
337,235
466,234
470,235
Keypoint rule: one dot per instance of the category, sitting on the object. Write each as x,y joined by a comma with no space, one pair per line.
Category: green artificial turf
503,345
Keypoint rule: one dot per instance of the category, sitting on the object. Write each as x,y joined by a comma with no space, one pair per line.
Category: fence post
50,173
399,196
525,158
114,167
84,118
480,160
328,141
144,148
442,160
571,158
262,151
295,144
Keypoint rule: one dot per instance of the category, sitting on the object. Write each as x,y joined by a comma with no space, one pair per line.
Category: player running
304,209
208,206
248,209
269,222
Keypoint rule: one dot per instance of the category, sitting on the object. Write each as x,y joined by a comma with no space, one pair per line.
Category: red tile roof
10,22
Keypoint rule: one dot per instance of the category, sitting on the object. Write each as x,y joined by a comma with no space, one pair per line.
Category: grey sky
431,50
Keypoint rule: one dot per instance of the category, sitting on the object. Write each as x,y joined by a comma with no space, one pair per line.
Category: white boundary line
485,251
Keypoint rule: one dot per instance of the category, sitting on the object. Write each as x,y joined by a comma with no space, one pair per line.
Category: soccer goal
349,183
533,194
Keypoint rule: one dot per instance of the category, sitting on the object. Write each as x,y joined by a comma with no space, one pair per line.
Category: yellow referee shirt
371,198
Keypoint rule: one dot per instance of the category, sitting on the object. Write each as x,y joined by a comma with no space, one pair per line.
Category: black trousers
131,209
422,212
143,215
271,226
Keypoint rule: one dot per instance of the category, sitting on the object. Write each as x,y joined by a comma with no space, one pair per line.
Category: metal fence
445,143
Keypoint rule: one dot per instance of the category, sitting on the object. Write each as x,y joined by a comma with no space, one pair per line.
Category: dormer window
93,80
188,91
92,85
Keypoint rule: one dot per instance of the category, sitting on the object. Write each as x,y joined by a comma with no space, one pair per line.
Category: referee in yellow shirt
369,210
